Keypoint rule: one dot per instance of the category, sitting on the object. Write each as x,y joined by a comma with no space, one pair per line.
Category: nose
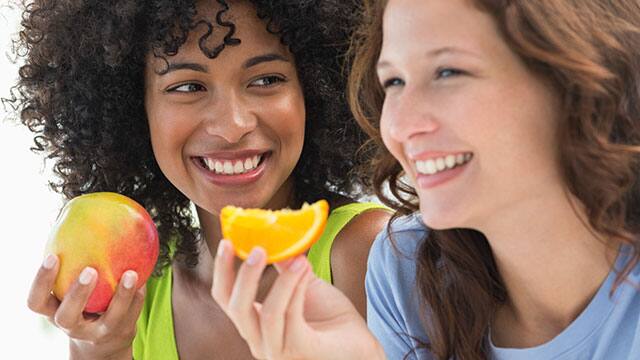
408,114
230,118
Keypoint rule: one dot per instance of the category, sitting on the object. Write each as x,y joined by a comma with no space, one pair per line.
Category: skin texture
227,109
471,93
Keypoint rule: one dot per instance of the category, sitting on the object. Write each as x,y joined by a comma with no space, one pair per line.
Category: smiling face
228,130
473,128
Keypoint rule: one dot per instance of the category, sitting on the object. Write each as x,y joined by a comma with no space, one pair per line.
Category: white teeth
450,161
232,167
420,166
433,166
208,163
228,168
219,167
430,167
238,168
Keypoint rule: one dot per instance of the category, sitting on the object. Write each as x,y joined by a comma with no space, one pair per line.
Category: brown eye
268,81
187,88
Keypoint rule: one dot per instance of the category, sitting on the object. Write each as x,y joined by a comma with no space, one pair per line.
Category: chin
442,218
215,207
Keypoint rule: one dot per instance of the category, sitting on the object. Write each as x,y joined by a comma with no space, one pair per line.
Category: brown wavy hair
590,51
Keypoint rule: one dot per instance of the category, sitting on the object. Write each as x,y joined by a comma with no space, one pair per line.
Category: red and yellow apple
109,232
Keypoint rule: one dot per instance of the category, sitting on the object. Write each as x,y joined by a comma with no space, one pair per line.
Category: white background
27,210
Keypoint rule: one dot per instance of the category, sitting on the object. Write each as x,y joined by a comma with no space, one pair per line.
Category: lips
434,169
434,165
232,168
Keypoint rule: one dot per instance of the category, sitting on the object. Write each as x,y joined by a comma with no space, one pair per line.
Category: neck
551,262
212,234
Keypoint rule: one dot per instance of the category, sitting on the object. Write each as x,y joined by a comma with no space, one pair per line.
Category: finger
295,320
135,308
121,301
283,265
276,306
241,309
40,299
127,327
69,314
223,274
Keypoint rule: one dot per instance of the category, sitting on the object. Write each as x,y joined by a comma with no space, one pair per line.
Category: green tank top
155,339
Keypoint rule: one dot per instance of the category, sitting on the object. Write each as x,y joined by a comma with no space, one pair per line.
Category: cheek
167,137
157,131
288,115
523,137
392,145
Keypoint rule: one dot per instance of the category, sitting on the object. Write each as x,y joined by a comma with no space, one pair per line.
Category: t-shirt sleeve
392,311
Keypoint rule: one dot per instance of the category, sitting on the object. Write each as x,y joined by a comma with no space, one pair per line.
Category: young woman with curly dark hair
509,133
180,102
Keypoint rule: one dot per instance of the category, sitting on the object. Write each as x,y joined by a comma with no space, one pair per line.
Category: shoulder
401,237
351,245
350,248
359,232
394,250
393,308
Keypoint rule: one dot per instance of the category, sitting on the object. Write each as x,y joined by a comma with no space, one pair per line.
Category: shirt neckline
578,332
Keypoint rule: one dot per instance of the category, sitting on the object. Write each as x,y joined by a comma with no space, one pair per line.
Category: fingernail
129,279
221,246
297,265
49,262
86,276
255,256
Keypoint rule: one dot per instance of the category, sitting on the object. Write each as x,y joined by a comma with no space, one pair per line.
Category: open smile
434,171
233,169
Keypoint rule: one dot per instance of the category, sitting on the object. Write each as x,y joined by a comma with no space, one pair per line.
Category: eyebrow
185,66
435,53
247,64
263,58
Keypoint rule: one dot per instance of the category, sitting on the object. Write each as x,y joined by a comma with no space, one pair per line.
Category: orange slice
282,233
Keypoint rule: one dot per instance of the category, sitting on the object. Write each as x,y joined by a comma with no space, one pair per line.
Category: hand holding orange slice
282,233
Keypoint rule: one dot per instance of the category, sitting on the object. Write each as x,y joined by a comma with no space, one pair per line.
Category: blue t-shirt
608,328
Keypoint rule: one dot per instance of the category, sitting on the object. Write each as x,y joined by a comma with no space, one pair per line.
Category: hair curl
590,50
81,92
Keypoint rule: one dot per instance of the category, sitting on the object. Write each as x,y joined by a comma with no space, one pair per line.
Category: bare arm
350,252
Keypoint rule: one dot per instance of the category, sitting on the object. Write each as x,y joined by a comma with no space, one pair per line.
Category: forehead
435,23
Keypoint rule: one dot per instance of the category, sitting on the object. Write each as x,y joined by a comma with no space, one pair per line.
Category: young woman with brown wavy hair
509,134
517,125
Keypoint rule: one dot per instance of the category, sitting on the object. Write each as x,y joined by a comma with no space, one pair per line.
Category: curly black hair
81,92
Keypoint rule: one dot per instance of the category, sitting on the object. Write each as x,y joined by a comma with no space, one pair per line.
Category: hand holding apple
108,232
